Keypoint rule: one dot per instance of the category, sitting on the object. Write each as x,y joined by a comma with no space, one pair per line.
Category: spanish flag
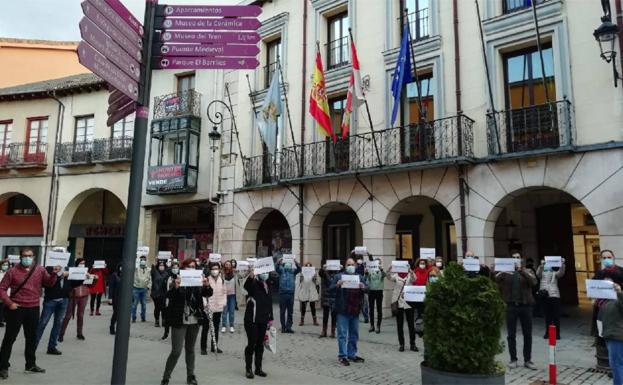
318,102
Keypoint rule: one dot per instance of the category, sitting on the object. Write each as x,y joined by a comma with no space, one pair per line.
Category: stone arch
68,210
249,235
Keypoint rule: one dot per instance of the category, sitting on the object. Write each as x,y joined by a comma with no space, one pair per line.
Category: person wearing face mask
24,282
258,313
420,271
327,301
4,267
403,309
185,314
287,272
360,269
142,283
55,301
306,292
485,271
159,277
550,293
439,264
77,304
215,305
347,306
170,282
114,291
376,285
229,311
97,289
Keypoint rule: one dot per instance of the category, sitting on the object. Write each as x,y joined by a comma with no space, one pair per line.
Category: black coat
260,303
180,297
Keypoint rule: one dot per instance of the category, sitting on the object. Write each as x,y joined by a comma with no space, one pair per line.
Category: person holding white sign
185,313
229,311
306,292
516,289
611,321
215,305
484,270
402,309
287,272
142,284
376,284
549,293
98,287
327,299
257,316
55,302
347,306
159,289
77,303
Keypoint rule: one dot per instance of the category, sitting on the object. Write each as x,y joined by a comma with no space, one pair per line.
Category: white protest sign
372,265
471,264
427,253
164,255
600,289
214,257
308,272
14,258
333,264
251,261
142,251
553,261
350,281
99,264
57,258
505,264
361,250
414,293
400,266
264,265
242,265
89,280
289,258
77,273
59,249
191,277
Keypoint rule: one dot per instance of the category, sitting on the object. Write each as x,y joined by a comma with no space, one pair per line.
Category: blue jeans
229,311
615,356
56,307
286,305
347,335
139,295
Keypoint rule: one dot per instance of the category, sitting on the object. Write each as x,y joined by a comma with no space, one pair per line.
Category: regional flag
318,101
270,110
355,94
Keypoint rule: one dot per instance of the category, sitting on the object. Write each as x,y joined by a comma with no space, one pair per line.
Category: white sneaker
223,329
513,365
231,329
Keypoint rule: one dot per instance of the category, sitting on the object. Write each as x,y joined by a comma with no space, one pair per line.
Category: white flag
267,116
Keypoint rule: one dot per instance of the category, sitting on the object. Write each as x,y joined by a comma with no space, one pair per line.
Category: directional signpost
118,48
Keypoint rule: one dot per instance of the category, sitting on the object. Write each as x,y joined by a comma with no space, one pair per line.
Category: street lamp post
606,35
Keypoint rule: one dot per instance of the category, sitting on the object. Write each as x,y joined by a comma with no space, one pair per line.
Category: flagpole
285,96
538,46
417,77
365,100
233,120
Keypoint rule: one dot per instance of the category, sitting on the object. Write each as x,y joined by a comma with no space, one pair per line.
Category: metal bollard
552,354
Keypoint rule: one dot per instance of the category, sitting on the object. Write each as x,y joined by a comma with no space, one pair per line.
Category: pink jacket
219,296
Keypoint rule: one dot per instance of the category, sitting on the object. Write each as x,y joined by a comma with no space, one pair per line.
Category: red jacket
99,285
29,294
421,276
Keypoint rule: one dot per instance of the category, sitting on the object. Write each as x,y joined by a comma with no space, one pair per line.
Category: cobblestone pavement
303,358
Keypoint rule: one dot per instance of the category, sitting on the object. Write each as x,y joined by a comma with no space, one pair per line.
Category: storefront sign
96,231
164,178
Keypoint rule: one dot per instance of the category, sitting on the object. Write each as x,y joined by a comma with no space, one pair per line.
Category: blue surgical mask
607,262
547,268
350,269
142,263
26,261
263,276
5,267
175,270
287,266
432,279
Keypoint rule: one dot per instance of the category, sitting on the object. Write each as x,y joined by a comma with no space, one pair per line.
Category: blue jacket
341,305
286,278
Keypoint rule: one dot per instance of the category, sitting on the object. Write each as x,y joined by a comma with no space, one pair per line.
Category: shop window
21,205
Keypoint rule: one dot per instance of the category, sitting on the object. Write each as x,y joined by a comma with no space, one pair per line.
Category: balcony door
36,139
5,140
83,138
531,122
417,138
338,153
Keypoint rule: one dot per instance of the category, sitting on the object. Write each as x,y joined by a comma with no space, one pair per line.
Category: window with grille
337,46
84,129
37,134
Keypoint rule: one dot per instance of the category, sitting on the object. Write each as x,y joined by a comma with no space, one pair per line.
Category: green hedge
462,323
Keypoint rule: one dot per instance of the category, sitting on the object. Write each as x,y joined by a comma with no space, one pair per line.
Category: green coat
376,280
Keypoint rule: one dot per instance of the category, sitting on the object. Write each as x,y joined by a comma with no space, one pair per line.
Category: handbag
80,291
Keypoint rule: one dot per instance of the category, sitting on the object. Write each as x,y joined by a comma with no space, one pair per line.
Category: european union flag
402,72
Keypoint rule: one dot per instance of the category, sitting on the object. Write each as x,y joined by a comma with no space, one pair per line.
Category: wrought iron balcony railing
415,145
177,104
17,155
94,151
338,53
418,24
509,6
536,128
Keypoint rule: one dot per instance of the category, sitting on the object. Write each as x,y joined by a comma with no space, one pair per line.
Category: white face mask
438,264
422,266
214,273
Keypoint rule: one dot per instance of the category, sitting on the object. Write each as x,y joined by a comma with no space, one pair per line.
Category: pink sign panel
121,113
114,95
210,37
104,44
116,20
208,50
209,11
132,47
126,15
221,24
96,62
117,104
205,63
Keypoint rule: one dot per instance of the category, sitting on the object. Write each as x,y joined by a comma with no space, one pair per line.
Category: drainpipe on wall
53,198
303,94
617,5
459,110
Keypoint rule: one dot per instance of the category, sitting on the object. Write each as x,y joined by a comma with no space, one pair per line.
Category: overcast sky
58,19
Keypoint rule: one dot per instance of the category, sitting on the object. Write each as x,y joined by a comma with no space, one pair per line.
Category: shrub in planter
462,324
